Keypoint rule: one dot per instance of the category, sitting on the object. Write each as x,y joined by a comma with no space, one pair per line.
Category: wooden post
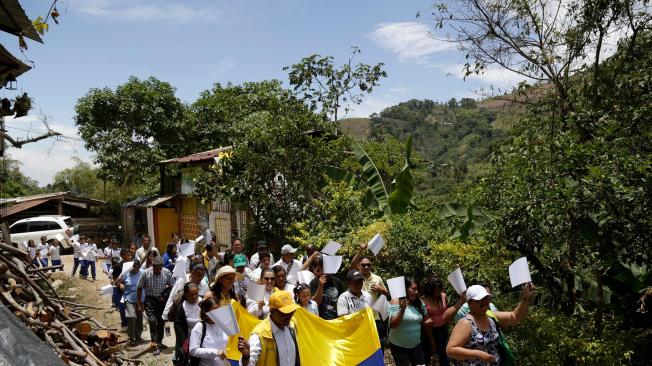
60,207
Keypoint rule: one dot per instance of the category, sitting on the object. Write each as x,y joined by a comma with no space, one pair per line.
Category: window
19,228
39,226
69,222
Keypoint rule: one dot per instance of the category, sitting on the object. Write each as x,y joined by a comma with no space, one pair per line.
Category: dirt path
88,292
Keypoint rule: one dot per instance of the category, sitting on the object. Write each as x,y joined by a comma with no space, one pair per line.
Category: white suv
48,226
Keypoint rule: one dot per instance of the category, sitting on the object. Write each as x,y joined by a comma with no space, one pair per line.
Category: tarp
19,346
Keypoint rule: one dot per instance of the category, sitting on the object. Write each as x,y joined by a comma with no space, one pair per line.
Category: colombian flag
345,341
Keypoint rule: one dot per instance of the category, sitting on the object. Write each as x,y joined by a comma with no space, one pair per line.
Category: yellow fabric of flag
345,341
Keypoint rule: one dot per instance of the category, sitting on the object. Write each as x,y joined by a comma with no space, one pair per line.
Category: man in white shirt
291,265
265,262
76,254
141,253
254,262
355,298
278,333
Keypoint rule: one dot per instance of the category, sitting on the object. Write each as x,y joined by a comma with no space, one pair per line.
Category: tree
330,89
279,147
134,127
80,179
13,182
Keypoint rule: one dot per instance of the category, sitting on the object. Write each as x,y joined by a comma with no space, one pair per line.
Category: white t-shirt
348,303
77,249
55,253
40,247
292,274
92,253
192,313
214,343
254,262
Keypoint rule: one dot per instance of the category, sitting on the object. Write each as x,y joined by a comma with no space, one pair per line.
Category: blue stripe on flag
376,359
234,362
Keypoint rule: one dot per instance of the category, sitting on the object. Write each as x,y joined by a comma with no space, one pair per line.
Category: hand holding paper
126,267
396,287
256,292
457,280
331,247
376,244
224,317
519,272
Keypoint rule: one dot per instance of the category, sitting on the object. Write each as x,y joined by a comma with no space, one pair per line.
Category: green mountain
453,141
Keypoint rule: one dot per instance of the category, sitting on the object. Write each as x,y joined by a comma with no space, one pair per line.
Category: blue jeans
44,262
83,271
36,262
117,296
75,265
92,265
56,262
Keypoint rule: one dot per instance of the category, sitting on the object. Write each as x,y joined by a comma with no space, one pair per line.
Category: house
177,210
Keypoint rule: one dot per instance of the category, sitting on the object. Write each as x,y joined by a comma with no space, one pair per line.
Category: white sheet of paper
208,236
199,238
305,277
126,267
519,272
224,317
457,280
376,244
59,237
331,248
43,252
75,238
381,306
179,270
332,263
255,291
187,249
106,290
396,287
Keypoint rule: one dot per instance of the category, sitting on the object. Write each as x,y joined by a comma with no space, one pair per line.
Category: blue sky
193,44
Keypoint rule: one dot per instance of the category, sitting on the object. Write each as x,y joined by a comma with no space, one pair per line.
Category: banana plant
398,200
474,218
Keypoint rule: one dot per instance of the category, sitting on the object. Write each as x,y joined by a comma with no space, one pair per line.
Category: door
222,229
168,223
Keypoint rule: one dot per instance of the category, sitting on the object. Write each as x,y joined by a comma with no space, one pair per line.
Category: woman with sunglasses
474,340
406,317
260,309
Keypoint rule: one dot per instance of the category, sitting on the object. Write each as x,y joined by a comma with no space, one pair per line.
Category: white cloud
222,66
145,10
494,76
410,41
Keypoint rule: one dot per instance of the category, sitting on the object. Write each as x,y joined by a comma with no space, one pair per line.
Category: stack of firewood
76,338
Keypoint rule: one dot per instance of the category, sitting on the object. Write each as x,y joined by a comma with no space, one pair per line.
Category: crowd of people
416,330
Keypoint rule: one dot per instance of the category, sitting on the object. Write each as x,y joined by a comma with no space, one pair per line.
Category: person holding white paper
406,316
207,340
464,309
474,339
91,257
260,309
273,341
197,276
325,290
440,314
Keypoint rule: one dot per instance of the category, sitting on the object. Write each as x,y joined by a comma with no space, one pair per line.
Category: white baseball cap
287,248
476,292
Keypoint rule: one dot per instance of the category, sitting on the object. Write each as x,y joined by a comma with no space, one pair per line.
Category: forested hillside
452,140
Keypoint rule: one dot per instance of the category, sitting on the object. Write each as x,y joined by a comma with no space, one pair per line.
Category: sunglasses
268,278
366,265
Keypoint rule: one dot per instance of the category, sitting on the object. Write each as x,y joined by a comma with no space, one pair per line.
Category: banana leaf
373,178
400,199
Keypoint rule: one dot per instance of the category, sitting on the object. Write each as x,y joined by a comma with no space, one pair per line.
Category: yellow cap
283,302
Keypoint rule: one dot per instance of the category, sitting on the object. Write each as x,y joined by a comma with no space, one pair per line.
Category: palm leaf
372,176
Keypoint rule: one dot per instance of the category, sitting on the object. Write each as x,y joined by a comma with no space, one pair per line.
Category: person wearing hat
291,265
241,277
153,282
474,339
355,298
274,340
254,262
222,287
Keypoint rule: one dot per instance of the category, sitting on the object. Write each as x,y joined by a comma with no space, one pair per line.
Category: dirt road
88,292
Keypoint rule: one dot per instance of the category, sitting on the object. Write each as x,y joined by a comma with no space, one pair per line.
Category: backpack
194,361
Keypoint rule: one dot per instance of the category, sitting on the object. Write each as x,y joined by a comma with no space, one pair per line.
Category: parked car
49,226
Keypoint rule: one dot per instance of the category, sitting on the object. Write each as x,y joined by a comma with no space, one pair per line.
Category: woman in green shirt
406,317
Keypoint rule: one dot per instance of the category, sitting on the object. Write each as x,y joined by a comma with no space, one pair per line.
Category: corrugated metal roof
158,200
10,65
22,206
201,156
138,202
13,20
58,195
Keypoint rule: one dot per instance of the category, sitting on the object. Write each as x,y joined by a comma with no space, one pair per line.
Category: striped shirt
154,285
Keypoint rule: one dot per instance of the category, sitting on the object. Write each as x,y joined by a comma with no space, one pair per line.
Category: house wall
188,224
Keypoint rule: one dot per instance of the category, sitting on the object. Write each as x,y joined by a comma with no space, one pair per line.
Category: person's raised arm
450,312
509,318
358,257
455,348
308,261
319,293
